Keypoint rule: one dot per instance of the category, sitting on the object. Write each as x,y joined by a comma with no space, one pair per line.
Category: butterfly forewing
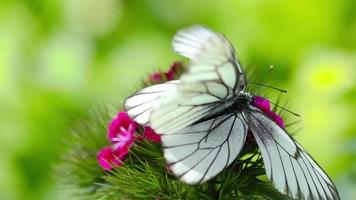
213,75
202,150
291,170
212,57
140,104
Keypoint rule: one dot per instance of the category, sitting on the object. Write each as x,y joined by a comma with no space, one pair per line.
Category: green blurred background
58,58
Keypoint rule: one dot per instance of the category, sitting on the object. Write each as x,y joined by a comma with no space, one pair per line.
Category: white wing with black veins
291,170
213,75
199,152
140,104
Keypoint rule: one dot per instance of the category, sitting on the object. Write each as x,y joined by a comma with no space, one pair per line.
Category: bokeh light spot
327,77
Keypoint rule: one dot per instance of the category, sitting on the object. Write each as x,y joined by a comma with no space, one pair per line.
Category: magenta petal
169,75
125,139
155,77
108,159
121,134
176,66
276,118
173,71
121,153
151,135
264,105
121,121
261,103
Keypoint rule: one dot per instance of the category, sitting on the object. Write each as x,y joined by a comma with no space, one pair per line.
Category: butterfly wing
199,152
140,104
291,170
213,76
212,57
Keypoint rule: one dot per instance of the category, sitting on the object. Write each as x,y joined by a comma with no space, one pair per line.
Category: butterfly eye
242,86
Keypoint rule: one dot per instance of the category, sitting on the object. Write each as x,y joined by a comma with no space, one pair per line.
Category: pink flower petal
276,118
155,77
121,135
173,71
122,152
261,103
125,139
264,105
108,158
120,123
151,135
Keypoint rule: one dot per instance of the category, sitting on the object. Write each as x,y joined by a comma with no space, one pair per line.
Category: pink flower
122,136
125,138
265,106
171,74
108,158
276,118
173,71
155,77
261,103
121,131
151,135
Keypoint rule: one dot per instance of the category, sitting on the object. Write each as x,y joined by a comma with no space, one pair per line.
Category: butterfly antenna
263,79
268,86
285,109
271,67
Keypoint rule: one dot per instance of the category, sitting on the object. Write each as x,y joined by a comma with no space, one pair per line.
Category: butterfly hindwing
202,150
291,170
213,75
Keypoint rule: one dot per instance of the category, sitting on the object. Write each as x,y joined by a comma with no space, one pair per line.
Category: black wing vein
204,154
293,173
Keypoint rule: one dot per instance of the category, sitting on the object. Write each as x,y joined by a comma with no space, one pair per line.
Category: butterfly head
241,101
242,82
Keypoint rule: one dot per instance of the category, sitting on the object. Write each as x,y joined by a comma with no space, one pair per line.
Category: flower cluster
122,129
171,74
264,105
121,135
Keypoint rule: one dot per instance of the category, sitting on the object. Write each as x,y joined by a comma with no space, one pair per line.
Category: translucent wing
212,57
291,170
140,104
202,150
213,76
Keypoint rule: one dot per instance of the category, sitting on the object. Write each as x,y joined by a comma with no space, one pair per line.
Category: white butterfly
203,120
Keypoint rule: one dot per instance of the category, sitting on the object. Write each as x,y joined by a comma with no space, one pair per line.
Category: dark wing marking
291,170
202,150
